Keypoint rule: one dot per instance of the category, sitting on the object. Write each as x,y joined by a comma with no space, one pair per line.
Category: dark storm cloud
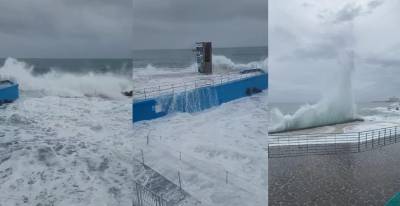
348,13
180,23
65,28
375,4
351,11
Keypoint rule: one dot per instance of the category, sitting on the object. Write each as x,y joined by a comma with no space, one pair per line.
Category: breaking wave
221,64
336,106
105,85
65,84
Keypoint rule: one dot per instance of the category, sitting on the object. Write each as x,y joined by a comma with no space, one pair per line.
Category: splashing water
65,84
336,106
189,101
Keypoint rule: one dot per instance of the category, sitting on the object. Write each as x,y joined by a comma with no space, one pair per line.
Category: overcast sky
180,23
307,37
65,28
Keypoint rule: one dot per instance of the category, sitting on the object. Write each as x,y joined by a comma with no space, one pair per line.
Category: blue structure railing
195,97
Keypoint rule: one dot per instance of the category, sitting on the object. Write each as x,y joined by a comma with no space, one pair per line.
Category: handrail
163,89
146,197
284,145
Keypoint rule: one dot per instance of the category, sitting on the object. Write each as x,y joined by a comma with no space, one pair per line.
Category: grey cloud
384,62
65,28
348,13
183,11
375,4
180,23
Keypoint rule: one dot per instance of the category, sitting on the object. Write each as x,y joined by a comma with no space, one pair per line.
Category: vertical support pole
180,155
359,140
137,195
226,177
147,139
373,137
379,137
395,134
179,179
384,137
141,151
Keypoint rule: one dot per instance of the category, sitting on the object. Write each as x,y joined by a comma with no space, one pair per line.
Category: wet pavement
366,178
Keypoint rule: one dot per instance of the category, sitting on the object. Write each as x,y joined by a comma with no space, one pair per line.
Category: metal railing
165,89
287,145
145,197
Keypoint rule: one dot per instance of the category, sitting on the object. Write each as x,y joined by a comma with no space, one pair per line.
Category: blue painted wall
9,93
197,99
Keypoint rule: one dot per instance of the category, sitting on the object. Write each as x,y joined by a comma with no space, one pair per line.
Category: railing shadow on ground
291,145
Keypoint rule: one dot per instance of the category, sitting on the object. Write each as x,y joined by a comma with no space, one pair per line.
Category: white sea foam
336,106
150,76
65,84
93,164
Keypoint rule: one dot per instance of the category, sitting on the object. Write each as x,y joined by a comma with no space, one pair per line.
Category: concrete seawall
198,99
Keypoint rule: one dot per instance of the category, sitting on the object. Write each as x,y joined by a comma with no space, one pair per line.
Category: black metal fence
287,145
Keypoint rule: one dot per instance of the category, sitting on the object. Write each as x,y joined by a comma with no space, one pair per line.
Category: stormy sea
69,139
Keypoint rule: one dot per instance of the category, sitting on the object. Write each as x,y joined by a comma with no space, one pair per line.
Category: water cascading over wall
197,99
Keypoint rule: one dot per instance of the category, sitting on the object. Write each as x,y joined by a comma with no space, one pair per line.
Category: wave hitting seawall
197,99
337,106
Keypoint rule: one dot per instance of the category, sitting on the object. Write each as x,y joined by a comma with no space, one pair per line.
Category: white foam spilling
65,84
150,75
336,106
222,63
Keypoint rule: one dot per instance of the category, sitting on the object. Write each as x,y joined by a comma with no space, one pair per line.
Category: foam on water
336,106
150,76
90,163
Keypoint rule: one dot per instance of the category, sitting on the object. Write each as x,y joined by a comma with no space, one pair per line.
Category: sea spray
336,106
221,64
65,84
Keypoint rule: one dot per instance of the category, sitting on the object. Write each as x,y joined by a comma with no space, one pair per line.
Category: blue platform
198,99
8,91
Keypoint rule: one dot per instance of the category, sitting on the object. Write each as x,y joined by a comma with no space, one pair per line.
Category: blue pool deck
159,102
